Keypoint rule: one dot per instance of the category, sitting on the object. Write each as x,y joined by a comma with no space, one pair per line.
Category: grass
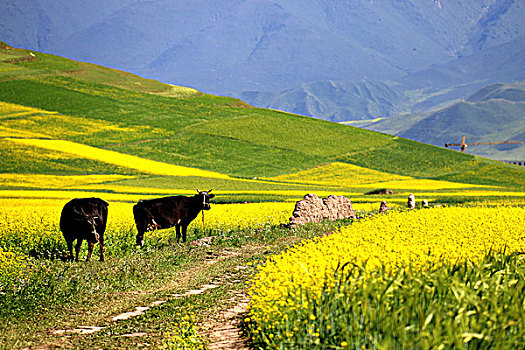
58,295
54,289
457,305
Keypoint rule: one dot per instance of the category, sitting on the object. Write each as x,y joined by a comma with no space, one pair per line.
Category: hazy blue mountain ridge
292,55
341,101
442,84
42,24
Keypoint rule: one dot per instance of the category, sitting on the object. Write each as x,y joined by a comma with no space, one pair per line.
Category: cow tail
203,224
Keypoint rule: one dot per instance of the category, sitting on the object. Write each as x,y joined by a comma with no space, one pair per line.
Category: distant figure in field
411,201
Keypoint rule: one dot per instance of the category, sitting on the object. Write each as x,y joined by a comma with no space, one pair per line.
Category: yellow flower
418,238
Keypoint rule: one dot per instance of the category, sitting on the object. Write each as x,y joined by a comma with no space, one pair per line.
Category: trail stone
136,334
139,310
79,330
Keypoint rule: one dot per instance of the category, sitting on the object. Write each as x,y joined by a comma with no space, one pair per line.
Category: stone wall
313,209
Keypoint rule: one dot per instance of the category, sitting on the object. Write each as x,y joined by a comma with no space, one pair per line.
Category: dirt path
222,330
225,333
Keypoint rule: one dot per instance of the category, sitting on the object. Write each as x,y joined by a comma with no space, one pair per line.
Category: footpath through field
214,287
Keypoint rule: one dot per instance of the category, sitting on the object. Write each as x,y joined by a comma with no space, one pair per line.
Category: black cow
166,212
84,218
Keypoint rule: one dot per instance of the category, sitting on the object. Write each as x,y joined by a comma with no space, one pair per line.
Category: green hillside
49,97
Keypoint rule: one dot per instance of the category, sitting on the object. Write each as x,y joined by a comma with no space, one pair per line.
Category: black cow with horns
166,212
84,218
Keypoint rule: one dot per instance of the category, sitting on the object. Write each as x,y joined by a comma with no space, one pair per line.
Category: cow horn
198,190
209,191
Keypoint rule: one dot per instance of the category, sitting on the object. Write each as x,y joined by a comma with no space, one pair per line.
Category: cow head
205,197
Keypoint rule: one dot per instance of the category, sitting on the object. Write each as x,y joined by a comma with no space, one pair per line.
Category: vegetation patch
374,268
124,160
96,106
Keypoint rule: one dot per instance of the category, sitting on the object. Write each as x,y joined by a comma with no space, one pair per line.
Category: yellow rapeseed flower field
349,175
125,160
412,237
422,184
56,181
12,266
339,174
13,110
30,226
37,220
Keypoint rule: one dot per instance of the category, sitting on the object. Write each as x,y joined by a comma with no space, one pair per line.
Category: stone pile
313,209
384,207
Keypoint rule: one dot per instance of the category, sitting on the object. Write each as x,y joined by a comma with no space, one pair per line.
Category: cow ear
211,196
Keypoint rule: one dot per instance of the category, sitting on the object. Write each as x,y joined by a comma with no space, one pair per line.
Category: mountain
286,55
494,113
335,101
461,77
42,24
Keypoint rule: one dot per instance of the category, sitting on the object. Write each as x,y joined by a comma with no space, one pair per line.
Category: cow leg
184,229
101,242
178,233
70,250
140,238
90,250
77,248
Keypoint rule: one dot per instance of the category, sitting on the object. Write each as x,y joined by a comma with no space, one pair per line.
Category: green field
49,97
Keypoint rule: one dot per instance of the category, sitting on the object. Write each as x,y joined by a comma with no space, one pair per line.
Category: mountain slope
335,101
65,100
42,24
416,92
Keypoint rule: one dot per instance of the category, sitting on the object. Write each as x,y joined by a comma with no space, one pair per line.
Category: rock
313,209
